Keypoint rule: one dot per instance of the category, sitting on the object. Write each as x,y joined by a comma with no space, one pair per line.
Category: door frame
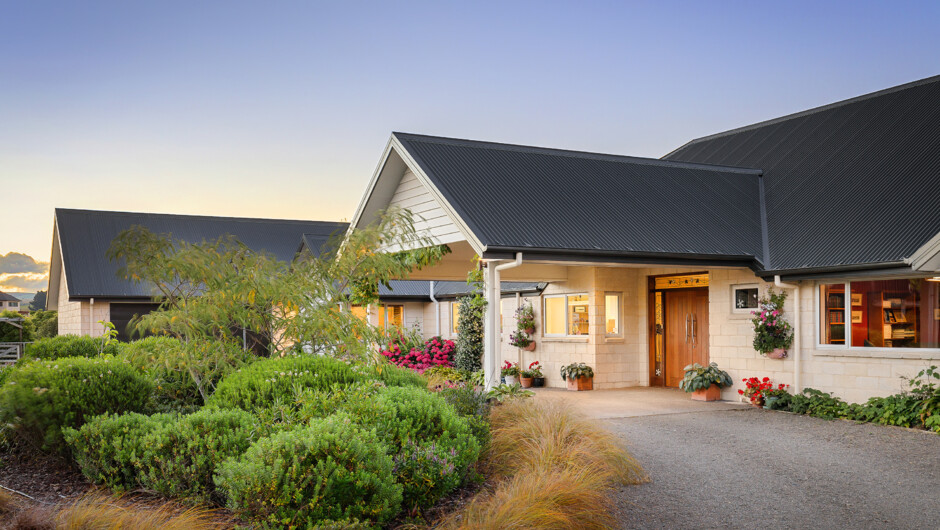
660,380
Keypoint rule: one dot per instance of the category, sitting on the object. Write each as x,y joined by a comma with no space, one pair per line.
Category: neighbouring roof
851,183
533,199
419,290
4,297
86,235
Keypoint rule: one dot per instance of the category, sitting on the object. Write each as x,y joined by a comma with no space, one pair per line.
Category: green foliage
771,329
11,333
426,473
576,370
473,406
163,360
820,404
68,346
108,447
40,398
506,392
45,323
393,375
38,303
282,379
332,469
405,415
698,377
179,458
469,351
446,373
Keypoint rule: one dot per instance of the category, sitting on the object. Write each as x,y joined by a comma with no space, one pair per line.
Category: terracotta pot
538,382
712,393
510,380
580,383
530,347
758,403
526,381
530,330
778,353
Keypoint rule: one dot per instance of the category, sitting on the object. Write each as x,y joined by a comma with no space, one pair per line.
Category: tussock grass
556,469
96,511
8,502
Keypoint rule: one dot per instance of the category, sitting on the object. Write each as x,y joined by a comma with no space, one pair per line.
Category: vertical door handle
693,330
688,318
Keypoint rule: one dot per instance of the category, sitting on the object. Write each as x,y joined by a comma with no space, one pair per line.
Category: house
652,264
8,302
84,285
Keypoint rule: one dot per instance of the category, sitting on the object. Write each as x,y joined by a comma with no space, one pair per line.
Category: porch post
491,325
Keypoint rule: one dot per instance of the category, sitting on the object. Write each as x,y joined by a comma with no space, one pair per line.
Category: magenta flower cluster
436,352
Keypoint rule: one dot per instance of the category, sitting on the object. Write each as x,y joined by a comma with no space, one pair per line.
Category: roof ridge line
479,144
184,215
807,112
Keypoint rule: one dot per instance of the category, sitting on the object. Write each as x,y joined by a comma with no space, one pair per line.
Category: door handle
688,318
693,330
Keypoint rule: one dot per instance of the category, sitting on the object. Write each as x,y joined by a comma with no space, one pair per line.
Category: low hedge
69,346
40,398
332,469
108,447
174,389
179,458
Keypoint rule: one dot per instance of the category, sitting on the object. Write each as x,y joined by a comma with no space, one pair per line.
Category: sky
281,109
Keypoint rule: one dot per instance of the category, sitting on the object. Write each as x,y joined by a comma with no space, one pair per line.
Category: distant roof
86,235
854,182
419,290
4,297
522,198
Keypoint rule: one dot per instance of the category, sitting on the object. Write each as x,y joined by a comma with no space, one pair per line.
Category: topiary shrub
174,389
330,470
107,447
415,423
69,346
280,379
40,398
180,458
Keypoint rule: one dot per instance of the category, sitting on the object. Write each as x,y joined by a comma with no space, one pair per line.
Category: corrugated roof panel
856,182
86,236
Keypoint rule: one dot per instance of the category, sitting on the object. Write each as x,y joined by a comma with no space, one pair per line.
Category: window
360,311
612,314
896,313
566,315
744,298
14,304
454,316
391,316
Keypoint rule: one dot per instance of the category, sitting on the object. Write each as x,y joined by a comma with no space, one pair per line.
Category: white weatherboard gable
927,257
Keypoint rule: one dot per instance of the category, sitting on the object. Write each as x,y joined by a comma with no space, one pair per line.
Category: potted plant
704,382
579,376
538,379
759,390
525,318
510,372
772,333
526,379
521,339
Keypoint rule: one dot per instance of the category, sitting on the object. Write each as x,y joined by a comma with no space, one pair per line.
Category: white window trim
849,350
619,332
746,310
567,333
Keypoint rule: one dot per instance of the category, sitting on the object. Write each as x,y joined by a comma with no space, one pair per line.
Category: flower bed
436,352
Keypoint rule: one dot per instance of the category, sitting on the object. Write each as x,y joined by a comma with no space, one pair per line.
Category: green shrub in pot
698,377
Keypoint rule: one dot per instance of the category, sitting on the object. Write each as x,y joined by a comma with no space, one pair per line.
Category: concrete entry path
722,465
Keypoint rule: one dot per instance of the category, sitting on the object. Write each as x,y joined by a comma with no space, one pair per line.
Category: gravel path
753,468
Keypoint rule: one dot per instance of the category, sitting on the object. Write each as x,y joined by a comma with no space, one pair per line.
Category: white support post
491,325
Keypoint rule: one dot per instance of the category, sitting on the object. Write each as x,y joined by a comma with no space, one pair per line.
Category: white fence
10,352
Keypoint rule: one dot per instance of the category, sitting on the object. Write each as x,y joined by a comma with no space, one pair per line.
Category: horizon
282,112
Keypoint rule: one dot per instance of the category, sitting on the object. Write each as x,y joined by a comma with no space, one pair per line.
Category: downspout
797,351
437,309
491,337
499,294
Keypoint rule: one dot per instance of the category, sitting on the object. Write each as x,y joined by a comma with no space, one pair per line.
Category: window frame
848,347
383,316
619,332
567,334
741,286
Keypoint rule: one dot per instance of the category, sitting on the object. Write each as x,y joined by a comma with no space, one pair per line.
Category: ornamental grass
555,468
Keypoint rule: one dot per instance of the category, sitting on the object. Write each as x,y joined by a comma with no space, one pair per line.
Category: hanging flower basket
777,353
772,333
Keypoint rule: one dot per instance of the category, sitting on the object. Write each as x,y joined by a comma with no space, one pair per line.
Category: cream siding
430,218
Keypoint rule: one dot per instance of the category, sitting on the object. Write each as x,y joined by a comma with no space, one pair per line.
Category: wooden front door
686,331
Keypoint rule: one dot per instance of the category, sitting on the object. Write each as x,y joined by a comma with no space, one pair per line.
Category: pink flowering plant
771,329
435,352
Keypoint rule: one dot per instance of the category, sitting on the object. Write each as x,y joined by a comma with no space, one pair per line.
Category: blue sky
281,109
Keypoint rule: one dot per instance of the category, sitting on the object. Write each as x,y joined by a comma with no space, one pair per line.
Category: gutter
797,353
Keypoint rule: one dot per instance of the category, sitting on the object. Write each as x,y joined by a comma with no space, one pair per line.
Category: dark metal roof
852,183
445,290
86,235
517,198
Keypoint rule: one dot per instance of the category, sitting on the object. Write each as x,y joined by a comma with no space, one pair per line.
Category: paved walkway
723,465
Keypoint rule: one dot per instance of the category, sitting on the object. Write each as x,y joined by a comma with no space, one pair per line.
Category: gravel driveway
751,468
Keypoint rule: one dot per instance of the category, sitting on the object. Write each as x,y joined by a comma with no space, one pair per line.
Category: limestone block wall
80,317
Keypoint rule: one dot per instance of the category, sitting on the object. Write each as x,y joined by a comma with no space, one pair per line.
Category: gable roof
419,290
519,198
854,183
5,297
84,237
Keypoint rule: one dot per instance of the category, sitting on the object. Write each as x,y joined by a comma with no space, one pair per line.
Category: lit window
454,316
901,313
612,313
360,311
566,315
391,316
832,313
